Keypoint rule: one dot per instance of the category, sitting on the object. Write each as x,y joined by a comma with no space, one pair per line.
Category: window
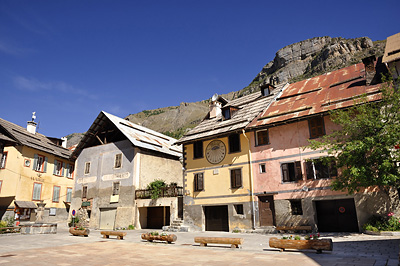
87,168
265,91
316,126
291,171
226,112
69,195
262,168
37,190
118,160
262,137
199,182
3,160
84,192
236,178
40,163
234,143
238,209
56,194
198,149
115,190
296,207
70,170
321,168
58,168
52,211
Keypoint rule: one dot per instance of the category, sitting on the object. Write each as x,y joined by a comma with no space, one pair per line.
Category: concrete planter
38,228
382,233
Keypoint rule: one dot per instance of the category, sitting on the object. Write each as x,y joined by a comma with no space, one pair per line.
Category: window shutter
35,162
67,172
238,178
309,170
298,174
200,182
63,167
55,167
45,165
285,172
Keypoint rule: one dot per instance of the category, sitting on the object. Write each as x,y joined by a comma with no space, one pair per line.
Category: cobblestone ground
64,249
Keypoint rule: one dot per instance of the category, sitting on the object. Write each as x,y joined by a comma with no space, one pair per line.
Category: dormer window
227,113
266,89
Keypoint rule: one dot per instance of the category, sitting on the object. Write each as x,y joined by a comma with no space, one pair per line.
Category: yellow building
218,182
33,168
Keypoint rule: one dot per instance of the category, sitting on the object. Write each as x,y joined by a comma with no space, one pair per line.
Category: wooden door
266,210
216,218
107,219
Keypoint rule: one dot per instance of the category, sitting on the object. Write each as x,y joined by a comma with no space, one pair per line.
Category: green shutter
63,167
35,162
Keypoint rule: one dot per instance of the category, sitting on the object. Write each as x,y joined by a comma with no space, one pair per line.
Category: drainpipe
251,182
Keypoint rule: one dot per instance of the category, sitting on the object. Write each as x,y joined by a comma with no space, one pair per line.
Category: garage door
336,215
216,218
157,217
107,219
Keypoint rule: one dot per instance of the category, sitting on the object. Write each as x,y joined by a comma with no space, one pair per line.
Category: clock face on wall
215,151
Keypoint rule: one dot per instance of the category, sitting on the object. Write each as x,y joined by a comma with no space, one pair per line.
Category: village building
218,182
34,169
391,56
291,182
115,162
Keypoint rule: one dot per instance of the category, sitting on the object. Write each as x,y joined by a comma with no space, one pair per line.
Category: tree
367,148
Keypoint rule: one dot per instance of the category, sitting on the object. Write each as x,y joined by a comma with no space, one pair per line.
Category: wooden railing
164,192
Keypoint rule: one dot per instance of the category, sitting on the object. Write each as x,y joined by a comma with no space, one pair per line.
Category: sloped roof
318,95
139,136
392,49
248,106
36,141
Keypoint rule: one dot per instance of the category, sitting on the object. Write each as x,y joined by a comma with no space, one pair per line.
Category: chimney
215,107
64,142
31,125
369,64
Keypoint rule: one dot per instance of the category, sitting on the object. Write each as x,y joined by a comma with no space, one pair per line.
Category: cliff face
314,57
292,63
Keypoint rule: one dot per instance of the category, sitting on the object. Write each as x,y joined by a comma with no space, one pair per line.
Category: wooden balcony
170,191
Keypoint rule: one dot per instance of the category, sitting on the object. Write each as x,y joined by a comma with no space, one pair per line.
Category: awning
25,204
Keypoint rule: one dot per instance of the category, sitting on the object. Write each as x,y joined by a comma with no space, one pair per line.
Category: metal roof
333,90
36,141
139,136
392,49
248,106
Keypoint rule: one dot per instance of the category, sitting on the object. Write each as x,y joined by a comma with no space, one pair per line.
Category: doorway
157,217
267,210
216,218
336,215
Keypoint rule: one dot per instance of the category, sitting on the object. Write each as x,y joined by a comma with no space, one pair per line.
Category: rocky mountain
292,63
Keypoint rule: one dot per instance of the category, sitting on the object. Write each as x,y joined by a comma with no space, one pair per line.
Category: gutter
251,183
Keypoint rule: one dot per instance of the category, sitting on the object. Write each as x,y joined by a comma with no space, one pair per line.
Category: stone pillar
40,212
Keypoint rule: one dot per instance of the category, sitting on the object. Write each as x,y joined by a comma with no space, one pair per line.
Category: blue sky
69,60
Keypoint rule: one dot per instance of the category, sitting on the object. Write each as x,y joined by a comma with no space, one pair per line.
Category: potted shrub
79,231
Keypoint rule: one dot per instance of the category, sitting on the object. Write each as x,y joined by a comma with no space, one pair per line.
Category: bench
14,229
316,244
107,234
234,242
294,228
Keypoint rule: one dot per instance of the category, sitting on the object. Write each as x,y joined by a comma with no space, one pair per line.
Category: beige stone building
115,162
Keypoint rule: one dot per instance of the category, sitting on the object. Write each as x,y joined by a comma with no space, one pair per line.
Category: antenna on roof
214,97
33,116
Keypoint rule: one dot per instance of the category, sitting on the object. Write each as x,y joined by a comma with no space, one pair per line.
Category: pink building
291,183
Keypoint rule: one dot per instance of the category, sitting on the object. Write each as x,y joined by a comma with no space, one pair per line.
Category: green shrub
131,227
382,223
156,186
3,224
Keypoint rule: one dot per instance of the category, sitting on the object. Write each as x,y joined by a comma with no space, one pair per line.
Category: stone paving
63,249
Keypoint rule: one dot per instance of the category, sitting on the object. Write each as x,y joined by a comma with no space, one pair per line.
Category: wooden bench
107,234
234,242
294,228
317,244
14,229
